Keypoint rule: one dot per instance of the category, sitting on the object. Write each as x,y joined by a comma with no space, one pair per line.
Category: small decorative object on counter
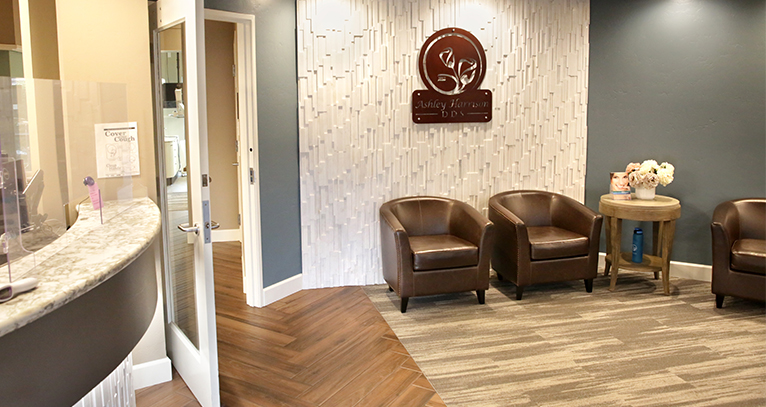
95,195
646,176
638,245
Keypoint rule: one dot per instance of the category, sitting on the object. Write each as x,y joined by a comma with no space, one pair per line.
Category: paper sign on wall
117,149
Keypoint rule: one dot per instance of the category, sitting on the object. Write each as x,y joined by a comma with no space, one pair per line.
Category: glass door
184,195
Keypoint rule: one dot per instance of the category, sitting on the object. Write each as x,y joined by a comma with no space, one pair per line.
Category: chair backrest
752,218
423,215
532,207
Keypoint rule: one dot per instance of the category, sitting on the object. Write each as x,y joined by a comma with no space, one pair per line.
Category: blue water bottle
638,245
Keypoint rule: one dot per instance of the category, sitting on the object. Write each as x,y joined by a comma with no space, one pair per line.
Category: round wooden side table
663,212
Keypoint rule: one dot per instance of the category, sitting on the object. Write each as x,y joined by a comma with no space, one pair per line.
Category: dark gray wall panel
683,82
277,132
59,358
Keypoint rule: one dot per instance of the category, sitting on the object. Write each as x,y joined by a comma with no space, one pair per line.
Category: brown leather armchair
543,237
433,245
739,250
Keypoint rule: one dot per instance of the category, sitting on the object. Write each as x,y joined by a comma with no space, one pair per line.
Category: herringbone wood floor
326,347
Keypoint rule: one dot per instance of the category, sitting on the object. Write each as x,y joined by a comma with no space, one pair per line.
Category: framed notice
117,149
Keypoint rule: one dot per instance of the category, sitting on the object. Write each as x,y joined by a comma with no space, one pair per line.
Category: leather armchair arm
506,214
396,254
726,217
567,213
511,238
468,224
725,231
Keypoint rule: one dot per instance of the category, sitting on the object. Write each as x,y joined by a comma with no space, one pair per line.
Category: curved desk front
96,298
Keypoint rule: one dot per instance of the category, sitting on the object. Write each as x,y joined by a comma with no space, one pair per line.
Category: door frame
250,200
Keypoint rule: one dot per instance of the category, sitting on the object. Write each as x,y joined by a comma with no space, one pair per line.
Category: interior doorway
232,134
201,198
233,140
223,129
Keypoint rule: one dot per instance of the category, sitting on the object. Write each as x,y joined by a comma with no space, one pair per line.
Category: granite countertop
86,255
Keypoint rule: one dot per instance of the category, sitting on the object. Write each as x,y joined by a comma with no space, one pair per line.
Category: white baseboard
693,271
226,235
282,289
151,373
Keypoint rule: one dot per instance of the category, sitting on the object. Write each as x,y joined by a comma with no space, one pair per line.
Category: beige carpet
561,346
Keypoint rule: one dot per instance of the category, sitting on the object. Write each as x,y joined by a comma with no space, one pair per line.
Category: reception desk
97,295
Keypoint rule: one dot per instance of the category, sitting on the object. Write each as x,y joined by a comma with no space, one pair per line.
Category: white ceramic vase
645,193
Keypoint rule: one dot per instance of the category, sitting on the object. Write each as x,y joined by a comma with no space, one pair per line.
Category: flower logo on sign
462,75
452,62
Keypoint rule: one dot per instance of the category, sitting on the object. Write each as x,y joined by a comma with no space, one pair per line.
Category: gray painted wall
277,132
683,82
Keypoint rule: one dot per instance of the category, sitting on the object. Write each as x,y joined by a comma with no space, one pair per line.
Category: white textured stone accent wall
114,391
359,148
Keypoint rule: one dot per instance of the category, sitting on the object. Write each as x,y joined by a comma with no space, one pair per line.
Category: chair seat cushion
434,252
749,255
550,242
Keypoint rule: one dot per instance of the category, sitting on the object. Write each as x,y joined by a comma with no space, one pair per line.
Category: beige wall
172,39
221,123
42,27
107,41
9,26
49,134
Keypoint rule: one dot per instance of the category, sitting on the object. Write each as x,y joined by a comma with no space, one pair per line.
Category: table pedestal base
655,263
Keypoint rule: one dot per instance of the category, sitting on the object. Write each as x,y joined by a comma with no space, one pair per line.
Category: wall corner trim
282,289
679,269
151,373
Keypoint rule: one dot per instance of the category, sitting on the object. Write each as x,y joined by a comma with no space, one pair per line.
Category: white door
185,196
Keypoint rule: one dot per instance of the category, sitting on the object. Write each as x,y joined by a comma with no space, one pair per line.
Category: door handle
235,164
214,225
184,227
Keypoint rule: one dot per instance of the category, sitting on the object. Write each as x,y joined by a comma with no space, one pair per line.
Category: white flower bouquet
649,174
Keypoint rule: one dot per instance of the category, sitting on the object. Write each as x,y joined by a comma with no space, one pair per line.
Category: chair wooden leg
519,292
480,295
589,285
719,301
404,304
390,289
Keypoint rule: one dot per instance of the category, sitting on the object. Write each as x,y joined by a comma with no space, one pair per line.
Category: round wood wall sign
452,65
452,61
